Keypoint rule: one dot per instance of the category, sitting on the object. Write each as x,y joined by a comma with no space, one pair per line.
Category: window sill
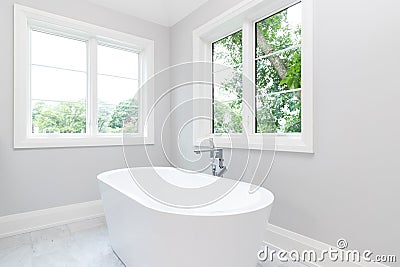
80,141
268,142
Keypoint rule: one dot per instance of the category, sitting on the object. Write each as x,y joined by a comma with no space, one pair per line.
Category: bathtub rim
184,211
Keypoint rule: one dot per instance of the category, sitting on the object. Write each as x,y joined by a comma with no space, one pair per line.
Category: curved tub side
142,236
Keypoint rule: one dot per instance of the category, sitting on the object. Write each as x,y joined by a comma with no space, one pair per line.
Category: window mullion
92,88
248,77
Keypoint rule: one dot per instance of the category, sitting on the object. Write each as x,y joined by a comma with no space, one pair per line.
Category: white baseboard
41,219
286,240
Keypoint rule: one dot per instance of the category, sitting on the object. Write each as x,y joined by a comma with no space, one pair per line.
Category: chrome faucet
216,157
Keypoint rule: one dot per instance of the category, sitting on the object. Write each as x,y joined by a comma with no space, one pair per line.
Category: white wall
43,178
350,186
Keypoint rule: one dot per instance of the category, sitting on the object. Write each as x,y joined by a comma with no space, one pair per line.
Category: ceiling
164,12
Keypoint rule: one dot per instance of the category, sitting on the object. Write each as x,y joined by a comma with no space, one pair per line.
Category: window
272,46
77,84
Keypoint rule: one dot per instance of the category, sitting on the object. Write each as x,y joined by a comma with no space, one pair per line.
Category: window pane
117,62
55,84
118,118
279,113
58,84
55,51
58,117
279,31
227,117
278,72
227,84
228,50
118,102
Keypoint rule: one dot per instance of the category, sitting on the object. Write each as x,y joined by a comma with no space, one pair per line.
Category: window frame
244,16
25,19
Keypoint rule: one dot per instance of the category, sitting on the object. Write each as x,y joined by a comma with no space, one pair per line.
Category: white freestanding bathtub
147,233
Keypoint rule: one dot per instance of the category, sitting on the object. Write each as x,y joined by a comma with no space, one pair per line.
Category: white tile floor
81,244
76,244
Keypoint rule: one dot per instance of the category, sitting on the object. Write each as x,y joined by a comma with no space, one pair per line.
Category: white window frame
25,19
244,16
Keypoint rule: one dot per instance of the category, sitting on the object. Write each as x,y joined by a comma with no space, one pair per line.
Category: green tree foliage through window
120,118
227,86
278,72
70,117
61,117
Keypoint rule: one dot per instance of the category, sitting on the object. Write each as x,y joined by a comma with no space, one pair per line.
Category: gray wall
350,186
43,178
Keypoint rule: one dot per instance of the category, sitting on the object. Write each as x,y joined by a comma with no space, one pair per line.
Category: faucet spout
199,151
